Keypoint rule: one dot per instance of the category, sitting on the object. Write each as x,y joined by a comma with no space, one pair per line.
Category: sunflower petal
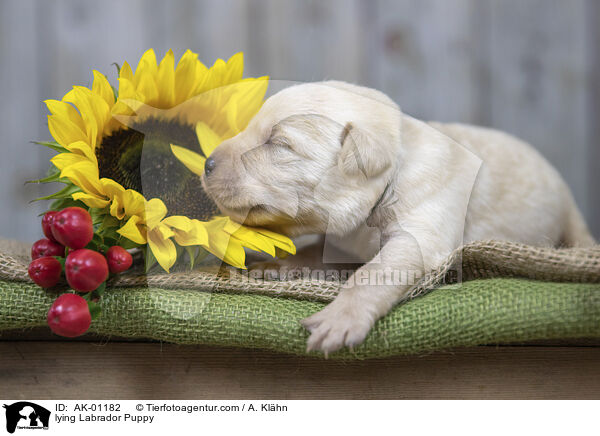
250,237
82,148
231,113
134,230
218,243
235,68
65,131
147,88
116,208
215,76
63,160
94,110
85,175
64,109
255,241
216,224
279,240
166,81
164,231
207,138
91,200
121,110
198,234
163,249
185,76
178,222
110,187
187,231
155,212
115,192
193,161
80,99
230,226
101,87
134,202
124,111
146,65
250,97
125,72
235,254
126,89
222,245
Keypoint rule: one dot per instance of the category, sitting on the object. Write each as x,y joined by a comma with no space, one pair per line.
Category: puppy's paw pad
313,321
336,326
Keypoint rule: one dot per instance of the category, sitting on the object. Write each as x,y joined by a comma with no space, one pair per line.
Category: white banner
372,418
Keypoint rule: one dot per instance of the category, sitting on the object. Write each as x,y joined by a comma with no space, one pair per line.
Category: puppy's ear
362,153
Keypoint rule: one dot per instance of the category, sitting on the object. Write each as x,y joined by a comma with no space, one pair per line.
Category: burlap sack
478,260
563,302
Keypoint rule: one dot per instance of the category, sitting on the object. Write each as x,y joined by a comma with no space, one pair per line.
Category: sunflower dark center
139,157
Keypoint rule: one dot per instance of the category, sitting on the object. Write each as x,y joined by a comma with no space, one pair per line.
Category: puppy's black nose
209,165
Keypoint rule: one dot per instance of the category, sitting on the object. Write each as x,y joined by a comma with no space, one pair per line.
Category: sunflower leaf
63,203
97,217
53,178
100,290
151,261
61,260
115,90
202,253
53,175
192,252
126,243
53,145
179,249
95,309
109,242
109,226
96,243
109,233
66,192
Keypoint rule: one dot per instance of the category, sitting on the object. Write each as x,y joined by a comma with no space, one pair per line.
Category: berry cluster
68,246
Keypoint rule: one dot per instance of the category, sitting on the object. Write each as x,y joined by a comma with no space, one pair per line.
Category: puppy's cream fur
341,160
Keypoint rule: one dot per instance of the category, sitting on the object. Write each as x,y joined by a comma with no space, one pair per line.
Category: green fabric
473,313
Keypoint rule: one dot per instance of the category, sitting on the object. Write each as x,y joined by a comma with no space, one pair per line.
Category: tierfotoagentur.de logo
26,415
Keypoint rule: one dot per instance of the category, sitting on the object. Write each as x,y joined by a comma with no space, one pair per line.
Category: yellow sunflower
122,153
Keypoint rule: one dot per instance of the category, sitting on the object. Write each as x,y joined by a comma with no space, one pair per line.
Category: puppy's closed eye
277,138
276,151
279,141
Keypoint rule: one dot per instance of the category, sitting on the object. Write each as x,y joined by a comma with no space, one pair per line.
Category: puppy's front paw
341,323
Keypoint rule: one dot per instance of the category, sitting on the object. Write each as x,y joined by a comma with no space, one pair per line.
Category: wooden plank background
117,370
529,67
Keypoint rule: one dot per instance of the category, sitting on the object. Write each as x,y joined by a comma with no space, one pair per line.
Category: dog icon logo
26,415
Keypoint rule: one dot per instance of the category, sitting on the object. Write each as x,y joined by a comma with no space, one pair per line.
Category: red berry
46,247
119,259
85,270
45,271
47,225
73,227
69,316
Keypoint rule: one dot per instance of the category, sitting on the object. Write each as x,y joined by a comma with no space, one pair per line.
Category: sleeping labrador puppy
399,194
